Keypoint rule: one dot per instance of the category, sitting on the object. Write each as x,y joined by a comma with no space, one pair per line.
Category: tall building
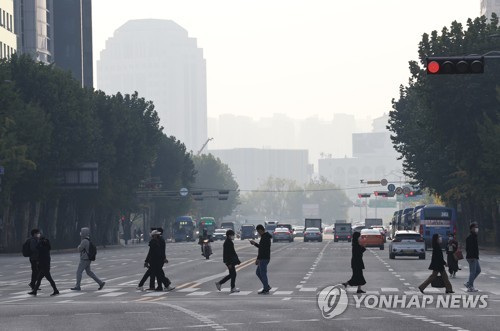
157,59
33,26
58,32
73,38
490,6
8,41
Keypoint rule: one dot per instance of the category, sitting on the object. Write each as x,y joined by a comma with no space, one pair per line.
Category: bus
270,226
227,225
396,222
206,223
432,219
184,227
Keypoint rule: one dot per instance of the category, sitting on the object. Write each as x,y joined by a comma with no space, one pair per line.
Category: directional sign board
373,182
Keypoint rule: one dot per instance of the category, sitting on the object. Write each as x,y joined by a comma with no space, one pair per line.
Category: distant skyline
302,58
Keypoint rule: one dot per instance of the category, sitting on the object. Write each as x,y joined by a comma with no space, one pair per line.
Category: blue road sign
391,187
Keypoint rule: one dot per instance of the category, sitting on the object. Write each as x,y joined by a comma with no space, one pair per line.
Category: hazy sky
298,57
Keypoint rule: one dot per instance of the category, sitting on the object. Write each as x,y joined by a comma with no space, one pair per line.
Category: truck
313,223
369,222
343,231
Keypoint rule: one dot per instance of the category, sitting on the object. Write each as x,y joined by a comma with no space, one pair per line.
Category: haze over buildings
163,64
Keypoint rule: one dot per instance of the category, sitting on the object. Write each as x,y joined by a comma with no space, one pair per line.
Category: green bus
207,223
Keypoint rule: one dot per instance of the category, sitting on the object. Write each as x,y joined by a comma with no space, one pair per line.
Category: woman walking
437,266
451,248
357,264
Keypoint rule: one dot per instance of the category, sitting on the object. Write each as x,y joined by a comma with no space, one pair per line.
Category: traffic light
455,65
382,194
364,195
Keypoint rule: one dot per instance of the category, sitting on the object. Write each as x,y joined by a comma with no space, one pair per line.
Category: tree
213,176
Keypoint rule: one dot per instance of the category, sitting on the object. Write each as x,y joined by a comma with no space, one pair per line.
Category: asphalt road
298,272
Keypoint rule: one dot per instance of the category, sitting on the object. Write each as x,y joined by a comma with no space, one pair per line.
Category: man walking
85,261
44,266
263,257
35,237
472,250
231,260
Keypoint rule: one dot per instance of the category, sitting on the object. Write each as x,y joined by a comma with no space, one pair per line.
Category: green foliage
211,176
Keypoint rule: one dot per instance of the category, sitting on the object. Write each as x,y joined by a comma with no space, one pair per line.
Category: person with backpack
88,253
30,249
43,248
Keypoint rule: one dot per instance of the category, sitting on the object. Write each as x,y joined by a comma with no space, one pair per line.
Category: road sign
383,182
372,182
406,190
183,192
391,187
399,190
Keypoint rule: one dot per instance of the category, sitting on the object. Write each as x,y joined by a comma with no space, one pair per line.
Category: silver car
282,234
313,234
407,243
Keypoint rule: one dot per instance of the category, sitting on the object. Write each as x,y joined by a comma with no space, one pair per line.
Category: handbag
438,282
458,255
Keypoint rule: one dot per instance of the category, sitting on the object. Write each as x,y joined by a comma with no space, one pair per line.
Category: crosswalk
146,296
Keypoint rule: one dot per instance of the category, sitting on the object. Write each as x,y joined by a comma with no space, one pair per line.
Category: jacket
83,248
472,247
229,255
155,255
34,249
357,256
44,253
264,247
437,261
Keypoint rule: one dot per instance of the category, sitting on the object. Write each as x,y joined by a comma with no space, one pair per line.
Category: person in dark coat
35,236
43,248
155,261
357,264
231,260
451,249
437,266
472,256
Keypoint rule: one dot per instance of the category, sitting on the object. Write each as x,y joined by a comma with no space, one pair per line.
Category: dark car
313,234
247,232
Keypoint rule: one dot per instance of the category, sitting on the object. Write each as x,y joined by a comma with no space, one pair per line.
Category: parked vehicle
311,234
407,243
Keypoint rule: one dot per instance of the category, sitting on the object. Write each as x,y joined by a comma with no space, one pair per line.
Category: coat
357,256
229,255
437,261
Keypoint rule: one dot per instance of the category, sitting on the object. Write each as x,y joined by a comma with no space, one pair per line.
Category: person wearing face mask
451,248
437,266
231,260
85,261
472,250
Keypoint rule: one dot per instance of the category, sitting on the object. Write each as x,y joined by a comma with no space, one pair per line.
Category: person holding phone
263,257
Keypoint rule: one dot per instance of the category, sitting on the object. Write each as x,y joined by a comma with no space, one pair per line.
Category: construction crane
204,145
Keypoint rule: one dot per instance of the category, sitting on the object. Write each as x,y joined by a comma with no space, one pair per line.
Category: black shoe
421,290
150,289
101,286
449,292
56,292
345,285
360,291
159,289
33,293
76,288
263,292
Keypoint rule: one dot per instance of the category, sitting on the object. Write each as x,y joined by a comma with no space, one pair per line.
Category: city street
297,272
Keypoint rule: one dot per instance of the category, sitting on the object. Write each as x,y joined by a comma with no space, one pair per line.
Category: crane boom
204,145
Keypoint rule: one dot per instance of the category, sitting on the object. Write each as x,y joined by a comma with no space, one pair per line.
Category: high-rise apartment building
8,42
490,6
59,32
157,59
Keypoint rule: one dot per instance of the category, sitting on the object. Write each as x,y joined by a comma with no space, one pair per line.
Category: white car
407,243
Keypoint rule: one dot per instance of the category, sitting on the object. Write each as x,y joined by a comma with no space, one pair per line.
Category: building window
1,44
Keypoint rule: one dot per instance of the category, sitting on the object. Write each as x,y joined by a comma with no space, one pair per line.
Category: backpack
92,253
27,248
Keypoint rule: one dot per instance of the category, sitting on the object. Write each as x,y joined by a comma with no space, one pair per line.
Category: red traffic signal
382,194
455,65
364,195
